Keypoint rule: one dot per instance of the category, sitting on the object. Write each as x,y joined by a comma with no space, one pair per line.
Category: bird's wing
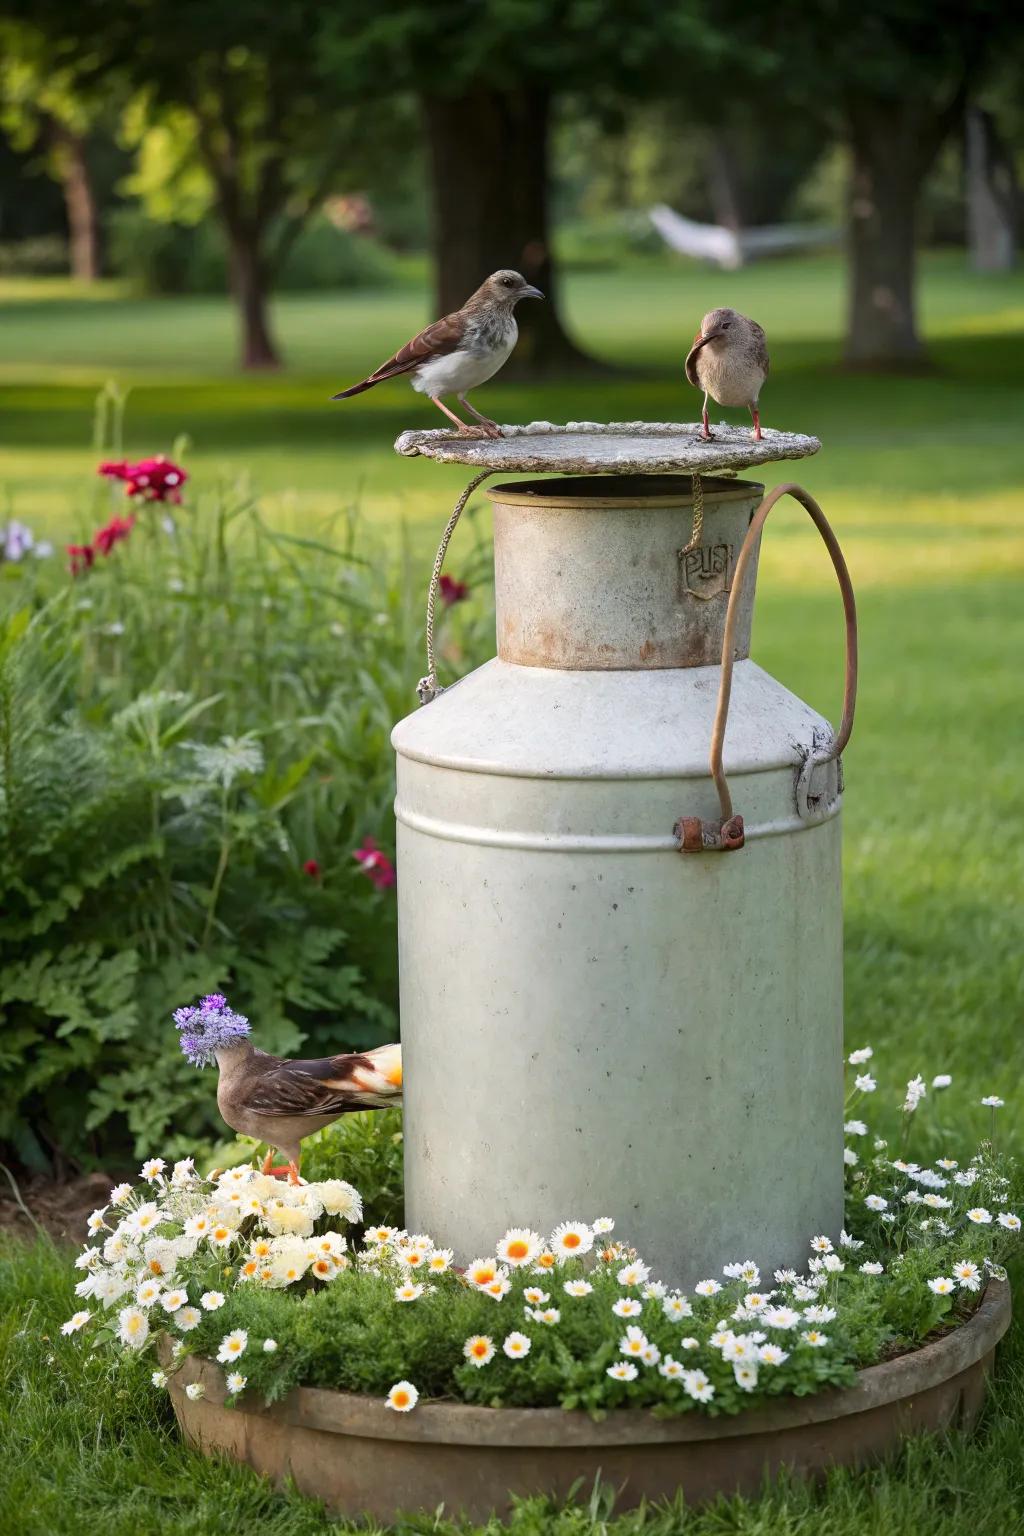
691,363
436,340
327,1085
760,346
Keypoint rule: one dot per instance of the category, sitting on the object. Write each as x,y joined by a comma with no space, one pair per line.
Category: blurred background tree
264,144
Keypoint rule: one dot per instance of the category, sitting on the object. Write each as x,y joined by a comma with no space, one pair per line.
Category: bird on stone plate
461,351
279,1101
729,362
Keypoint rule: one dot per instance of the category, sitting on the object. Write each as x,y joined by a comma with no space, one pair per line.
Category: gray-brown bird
276,1100
729,362
462,350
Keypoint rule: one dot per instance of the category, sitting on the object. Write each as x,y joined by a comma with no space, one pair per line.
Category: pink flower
452,591
82,557
375,864
153,479
112,533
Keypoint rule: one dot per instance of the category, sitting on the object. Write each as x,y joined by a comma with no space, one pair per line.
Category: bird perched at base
729,362
275,1100
462,350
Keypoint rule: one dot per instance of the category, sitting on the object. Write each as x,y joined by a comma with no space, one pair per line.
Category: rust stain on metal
699,836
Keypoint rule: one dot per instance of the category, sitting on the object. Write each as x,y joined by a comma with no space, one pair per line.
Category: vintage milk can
620,994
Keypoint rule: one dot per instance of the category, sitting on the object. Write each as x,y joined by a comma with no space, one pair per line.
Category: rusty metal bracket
726,835
699,836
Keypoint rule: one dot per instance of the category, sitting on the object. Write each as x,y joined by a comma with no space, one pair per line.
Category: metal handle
697,835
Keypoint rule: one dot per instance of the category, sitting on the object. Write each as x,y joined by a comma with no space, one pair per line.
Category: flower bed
266,1279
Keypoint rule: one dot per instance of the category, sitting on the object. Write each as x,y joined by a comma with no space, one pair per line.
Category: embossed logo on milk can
707,570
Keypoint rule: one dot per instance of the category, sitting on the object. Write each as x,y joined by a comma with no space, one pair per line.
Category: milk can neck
594,574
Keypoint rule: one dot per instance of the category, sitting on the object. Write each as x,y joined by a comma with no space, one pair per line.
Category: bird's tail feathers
356,389
381,1078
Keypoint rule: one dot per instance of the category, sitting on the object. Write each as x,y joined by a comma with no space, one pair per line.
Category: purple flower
207,1028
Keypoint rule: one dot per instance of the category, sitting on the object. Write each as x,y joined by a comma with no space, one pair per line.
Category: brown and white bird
276,1100
462,350
729,362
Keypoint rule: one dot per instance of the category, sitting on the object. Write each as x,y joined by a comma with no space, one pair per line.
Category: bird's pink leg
756,414
490,427
705,430
464,428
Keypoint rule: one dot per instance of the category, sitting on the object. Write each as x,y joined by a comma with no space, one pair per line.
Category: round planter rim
363,1416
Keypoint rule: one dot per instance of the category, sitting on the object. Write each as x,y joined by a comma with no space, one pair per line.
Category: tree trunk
489,168
885,184
79,202
992,196
250,289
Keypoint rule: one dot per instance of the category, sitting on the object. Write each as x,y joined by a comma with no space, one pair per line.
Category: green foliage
182,729
164,257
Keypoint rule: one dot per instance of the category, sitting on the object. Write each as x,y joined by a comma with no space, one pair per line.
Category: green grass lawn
923,479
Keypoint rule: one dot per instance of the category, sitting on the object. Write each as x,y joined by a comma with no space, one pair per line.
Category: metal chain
428,688
698,516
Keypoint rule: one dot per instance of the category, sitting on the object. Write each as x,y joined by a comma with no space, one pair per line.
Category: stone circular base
362,1459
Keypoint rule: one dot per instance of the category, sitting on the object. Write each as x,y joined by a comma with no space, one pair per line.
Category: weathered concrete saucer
362,1459
610,448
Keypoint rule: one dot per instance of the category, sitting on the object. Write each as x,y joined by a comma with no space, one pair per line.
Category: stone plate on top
610,448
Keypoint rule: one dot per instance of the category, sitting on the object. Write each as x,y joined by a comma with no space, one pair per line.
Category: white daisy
517,1346
675,1306
440,1261
498,1288
235,1381
821,1244
159,1378
993,1101
979,1216
96,1222
1008,1220
671,1369
623,1370
721,1337
479,1349
410,1291
814,1338
967,1275
627,1306
482,1271
780,1317
869,1267
772,1354
698,1386
76,1321
120,1193
132,1327
654,1290
577,1287
946,1162
232,1345
519,1246
855,1128
402,1397
549,1317
187,1318
850,1157
603,1224
633,1274
746,1376
866,1083
211,1301
172,1300
859,1057
651,1355
941,1285
966,1178
941,1080
571,1239
152,1169
689,1343
846,1241
707,1288
820,1314
535,1296
147,1293
633,1342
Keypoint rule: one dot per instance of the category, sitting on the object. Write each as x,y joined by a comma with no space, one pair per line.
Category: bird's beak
702,341
530,293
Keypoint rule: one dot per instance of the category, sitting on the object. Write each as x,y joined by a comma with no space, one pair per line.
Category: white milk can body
592,1022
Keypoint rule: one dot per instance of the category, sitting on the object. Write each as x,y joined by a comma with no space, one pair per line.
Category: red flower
153,479
82,557
375,864
312,869
112,533
452,591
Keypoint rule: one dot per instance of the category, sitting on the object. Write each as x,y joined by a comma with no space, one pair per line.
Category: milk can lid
610,448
